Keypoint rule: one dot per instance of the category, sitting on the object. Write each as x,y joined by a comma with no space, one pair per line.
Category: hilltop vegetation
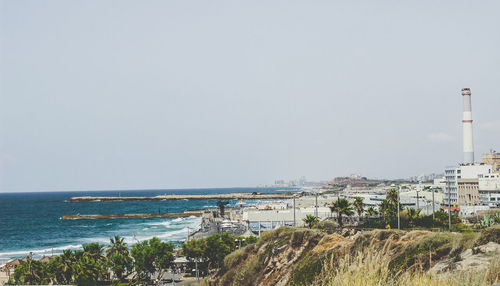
296,256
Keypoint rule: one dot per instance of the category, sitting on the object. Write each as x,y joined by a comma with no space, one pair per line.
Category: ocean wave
174,235
38,252
171,230
164,223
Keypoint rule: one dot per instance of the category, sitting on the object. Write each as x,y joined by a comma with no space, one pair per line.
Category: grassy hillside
296,256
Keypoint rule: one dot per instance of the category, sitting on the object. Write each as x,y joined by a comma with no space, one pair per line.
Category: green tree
413,215
88,271
117,246
194,250
392,195
371,211
384,208
152,256
342,207
94,251
211,251
32,272
359,206
441,219
62,267
217,247
311,221
121,265
118,257
249,240
389,206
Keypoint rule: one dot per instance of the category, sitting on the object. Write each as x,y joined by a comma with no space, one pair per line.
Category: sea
30,223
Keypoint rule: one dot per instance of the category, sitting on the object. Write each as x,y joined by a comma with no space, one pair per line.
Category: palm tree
117,246
413,215
118,257
359,206
66,265
384,208
371,211
392,196
31,275
342,207
311,220
94,251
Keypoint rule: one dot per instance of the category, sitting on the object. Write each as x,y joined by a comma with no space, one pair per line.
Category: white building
489,189
462,183
440,183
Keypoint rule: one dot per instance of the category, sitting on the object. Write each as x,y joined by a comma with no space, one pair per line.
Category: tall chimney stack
467,127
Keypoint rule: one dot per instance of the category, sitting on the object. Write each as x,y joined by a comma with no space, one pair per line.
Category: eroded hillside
289,256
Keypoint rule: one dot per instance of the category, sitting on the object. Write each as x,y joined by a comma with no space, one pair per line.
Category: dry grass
370,268
327,243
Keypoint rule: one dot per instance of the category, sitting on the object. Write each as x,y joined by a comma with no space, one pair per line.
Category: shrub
489,234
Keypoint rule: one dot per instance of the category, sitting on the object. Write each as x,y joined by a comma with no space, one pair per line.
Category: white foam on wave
171,230
38,252
162,223
174,235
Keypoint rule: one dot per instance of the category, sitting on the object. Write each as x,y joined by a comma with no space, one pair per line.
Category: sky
99,95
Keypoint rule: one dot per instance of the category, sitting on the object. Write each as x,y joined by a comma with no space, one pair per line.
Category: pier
108,216
232,196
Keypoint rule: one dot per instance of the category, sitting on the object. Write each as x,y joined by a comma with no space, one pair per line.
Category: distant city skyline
98,95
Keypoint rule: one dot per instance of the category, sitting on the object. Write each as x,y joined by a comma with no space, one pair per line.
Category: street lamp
239,240
449,209
418,206
433,191
399,218
197,272
294,221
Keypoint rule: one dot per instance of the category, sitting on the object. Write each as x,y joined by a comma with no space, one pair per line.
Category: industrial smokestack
467,126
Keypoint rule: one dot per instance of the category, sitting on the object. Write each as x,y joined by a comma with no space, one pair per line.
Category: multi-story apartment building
462,183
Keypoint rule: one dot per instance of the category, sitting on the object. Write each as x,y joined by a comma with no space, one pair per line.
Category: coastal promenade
232,196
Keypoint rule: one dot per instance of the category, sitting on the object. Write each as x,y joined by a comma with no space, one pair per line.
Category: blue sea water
31,222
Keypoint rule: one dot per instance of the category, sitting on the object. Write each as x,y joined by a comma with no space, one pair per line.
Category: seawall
108,216
232,196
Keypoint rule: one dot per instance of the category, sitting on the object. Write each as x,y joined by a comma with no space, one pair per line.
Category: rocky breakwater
107,216
232,196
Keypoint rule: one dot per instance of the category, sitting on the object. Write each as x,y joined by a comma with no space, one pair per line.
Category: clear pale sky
179,94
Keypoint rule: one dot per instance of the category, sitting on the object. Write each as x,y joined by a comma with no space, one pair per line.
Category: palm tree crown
371,211
342,207
311,220
359,205
117,246
413,215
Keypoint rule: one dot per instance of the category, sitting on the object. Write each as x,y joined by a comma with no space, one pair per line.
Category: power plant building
472,183
462,183
493,159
